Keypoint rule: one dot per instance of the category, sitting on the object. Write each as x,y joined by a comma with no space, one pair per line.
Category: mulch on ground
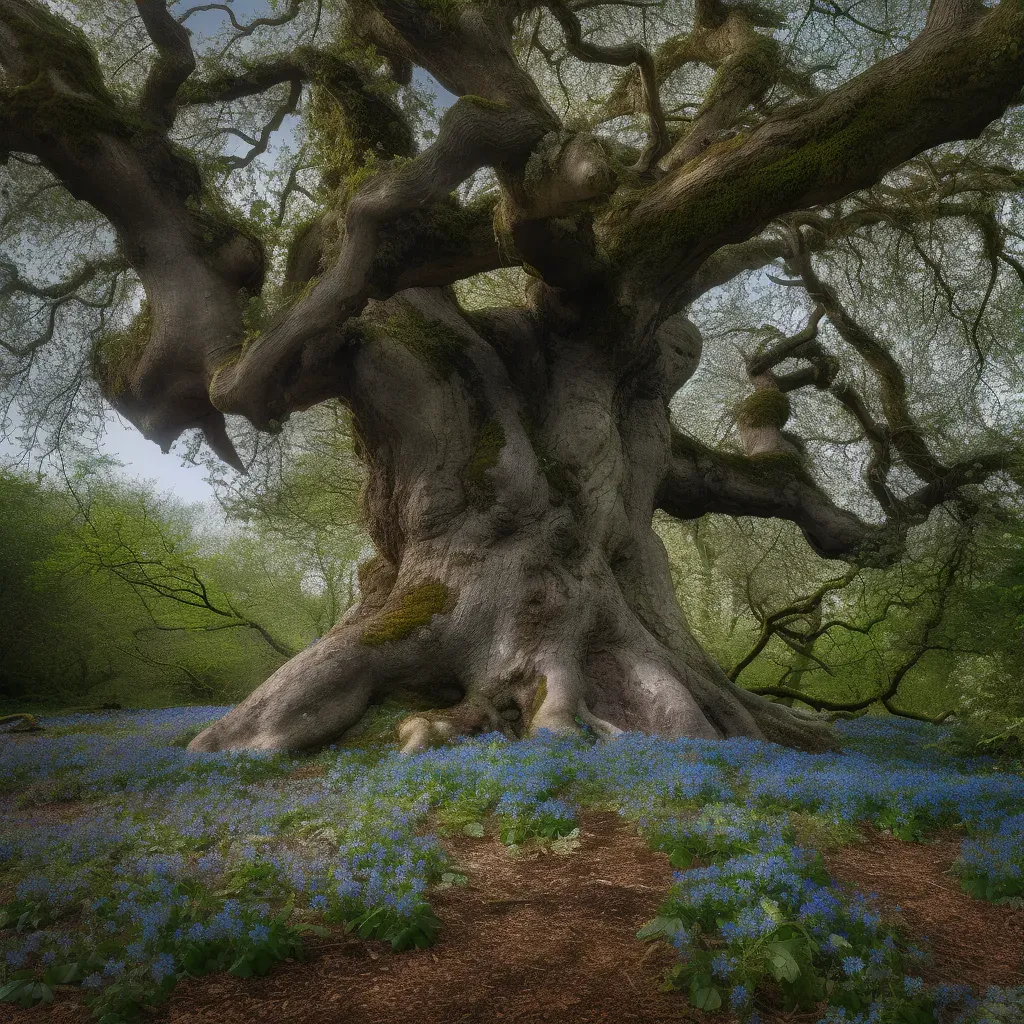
969,940
552,940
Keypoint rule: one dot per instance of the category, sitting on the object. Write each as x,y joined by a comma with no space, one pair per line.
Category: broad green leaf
658,927
781,961
474,829
12,990
705,997
680,858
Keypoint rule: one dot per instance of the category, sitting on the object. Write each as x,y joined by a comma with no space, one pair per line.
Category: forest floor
533,929
548,939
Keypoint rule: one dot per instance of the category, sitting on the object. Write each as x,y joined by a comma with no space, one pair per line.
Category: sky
144,460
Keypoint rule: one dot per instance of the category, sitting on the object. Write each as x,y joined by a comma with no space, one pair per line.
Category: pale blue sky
144,460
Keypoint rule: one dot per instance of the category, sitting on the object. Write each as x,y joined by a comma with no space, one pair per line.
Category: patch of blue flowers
169,864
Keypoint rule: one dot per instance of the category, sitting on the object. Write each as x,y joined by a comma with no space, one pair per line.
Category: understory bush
169,863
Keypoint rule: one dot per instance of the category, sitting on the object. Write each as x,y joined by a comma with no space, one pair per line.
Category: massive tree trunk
515,458
512,484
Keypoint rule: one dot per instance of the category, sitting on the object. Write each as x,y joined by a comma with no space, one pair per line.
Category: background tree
629,159
113,593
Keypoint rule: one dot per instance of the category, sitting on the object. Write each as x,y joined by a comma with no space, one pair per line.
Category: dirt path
970,940
533,941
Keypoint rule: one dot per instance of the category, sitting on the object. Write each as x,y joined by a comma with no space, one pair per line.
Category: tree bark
511,487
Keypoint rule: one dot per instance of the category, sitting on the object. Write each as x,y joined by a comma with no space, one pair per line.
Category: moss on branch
741,186
765,408
432,341
770,469
116,354
493,106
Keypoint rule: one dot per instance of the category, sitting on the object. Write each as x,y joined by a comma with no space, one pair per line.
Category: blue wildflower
852,965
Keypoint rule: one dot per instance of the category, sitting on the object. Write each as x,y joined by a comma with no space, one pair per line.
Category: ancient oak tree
515,454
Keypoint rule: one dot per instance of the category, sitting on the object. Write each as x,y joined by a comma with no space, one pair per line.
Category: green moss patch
432,341
766,408
540,695
412,609
115,354
475,476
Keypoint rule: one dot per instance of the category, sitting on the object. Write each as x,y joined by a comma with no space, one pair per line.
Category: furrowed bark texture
511,489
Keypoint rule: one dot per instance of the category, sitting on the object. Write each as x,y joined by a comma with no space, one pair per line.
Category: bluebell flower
852,965
722,966
739,997
162,967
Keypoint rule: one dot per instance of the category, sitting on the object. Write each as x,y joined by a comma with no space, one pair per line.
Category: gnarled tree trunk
512,483
516,457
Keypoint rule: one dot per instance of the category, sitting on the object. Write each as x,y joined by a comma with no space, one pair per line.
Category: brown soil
552,940
548,939
969,940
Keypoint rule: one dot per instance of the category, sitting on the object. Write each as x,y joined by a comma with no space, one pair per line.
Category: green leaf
11,992
660,926
242,968
473,829
680,858
315,929
705,997
781,961
837,942
64,974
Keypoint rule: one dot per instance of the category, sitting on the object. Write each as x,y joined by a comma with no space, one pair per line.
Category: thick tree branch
174,63
621,56
777,486
948,84
702,480
297,362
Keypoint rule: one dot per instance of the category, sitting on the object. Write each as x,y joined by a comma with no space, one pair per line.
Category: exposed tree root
324,691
